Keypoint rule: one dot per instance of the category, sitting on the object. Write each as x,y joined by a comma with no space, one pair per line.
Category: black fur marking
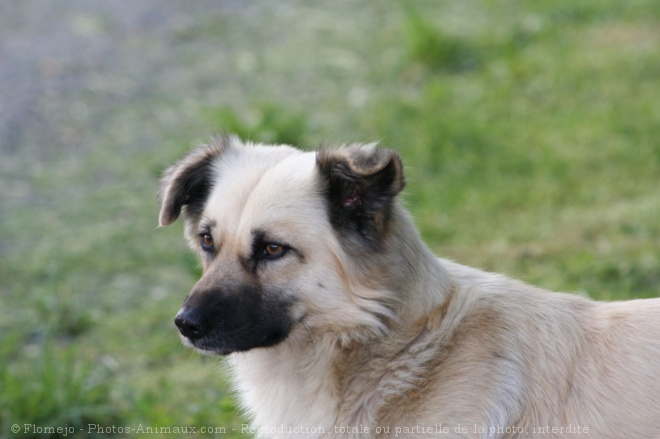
360,185
235,319
191,189
188,183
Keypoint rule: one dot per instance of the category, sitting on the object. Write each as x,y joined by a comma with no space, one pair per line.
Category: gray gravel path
94,93
75,71
68,68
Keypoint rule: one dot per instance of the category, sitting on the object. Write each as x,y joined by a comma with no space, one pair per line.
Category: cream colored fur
408,345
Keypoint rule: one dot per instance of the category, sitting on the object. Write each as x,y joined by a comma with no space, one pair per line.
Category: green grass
267,122
530,134
57,387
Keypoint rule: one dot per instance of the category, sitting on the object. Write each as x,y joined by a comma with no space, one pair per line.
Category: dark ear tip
165,219
362,159
187,182
355,161
399,176
385,162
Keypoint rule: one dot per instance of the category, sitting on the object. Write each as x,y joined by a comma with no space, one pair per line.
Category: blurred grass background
530,133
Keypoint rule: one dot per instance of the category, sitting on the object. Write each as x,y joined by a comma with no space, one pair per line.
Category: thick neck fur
420,281
316,370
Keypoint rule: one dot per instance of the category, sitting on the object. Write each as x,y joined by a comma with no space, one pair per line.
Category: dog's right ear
189,182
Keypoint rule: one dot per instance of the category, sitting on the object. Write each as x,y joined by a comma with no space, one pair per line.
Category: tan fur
405,344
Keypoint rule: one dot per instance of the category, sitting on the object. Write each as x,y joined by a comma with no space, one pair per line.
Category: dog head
288,240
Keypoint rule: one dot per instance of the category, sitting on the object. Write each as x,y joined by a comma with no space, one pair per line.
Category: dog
336,320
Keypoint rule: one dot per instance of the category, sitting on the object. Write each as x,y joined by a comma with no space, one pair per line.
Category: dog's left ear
188,183
361,182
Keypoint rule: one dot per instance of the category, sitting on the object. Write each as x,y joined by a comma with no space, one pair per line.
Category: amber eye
206,241
273,250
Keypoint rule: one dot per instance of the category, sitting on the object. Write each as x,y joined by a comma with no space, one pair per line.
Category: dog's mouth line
201,346
204,350
212,345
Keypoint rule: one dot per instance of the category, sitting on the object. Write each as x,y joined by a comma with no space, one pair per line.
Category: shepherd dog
337,321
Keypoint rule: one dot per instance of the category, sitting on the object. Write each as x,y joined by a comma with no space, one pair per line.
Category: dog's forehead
263,185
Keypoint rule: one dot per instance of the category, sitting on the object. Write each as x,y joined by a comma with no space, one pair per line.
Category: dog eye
273,251
206,242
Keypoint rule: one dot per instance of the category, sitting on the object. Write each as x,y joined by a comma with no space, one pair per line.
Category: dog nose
188,327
